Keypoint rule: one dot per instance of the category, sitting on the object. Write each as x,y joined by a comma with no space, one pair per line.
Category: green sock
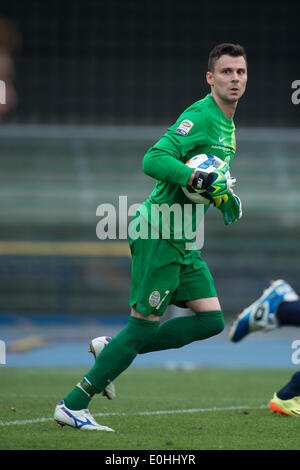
179,331
113,360
77,399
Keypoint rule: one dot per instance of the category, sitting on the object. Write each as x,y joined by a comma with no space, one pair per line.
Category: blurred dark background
97,84
125,62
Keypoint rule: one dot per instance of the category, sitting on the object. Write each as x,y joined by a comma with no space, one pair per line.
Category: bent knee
212,322
219,325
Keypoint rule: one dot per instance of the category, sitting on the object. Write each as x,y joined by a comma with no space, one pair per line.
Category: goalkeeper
164,271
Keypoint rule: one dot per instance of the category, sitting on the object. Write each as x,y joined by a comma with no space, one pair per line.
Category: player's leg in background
291,389
288,313
287,400
279,305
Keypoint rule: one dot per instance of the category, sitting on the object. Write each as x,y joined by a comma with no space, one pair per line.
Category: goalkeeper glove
231,209
216,183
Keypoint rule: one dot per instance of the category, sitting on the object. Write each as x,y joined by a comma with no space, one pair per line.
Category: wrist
201,180
191,178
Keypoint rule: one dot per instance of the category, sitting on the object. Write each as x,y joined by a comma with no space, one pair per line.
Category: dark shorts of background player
162,275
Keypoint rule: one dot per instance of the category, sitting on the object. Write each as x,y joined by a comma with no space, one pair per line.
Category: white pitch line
139,413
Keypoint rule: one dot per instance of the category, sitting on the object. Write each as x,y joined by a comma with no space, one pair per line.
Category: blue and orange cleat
261,314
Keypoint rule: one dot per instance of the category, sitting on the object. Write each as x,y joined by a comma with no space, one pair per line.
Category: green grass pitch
154,409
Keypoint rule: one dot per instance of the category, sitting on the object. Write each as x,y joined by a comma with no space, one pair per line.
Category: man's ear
209,78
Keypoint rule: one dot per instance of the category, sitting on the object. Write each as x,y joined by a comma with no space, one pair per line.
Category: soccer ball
207,164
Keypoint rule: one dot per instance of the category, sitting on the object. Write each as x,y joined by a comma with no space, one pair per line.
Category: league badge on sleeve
185,127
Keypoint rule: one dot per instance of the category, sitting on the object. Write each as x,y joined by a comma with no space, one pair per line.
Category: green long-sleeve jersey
201,128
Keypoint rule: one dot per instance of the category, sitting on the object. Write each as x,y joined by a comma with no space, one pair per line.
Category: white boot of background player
95,347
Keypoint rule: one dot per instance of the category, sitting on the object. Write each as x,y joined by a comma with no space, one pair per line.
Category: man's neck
227,108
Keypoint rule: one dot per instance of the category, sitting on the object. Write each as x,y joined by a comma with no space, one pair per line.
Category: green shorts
162,275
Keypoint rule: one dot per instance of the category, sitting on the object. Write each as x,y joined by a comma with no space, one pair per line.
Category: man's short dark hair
234,50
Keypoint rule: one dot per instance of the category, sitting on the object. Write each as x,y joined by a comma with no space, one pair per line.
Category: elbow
147,165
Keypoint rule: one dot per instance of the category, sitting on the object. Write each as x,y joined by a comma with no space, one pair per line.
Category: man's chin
234,97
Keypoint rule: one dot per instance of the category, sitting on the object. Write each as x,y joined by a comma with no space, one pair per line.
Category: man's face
229,78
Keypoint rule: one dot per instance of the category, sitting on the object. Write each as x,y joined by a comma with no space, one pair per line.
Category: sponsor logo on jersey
221,147
154,298
185,127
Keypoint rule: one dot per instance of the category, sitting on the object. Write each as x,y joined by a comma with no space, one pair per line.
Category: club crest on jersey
154,298
185,127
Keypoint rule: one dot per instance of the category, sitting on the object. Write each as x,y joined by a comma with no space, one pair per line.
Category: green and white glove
231,209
